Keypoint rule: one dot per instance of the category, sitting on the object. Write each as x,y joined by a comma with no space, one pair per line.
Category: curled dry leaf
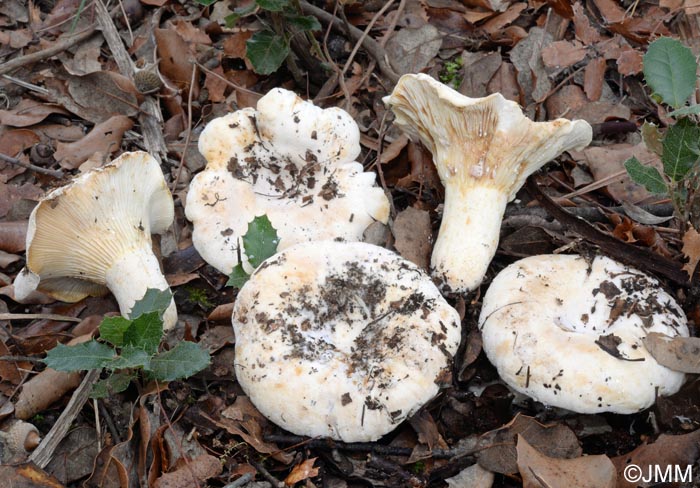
101,95
593,78
301,472
412,232
474,477
29,112
540,471
562,54
190,473
104,138
691,250
676,353
176,59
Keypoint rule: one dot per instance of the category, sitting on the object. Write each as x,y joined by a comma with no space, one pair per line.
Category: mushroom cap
486,140
568,332
344,340
79,231
289,160
17,439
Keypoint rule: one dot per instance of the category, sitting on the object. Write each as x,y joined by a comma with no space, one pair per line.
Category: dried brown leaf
176,59
190,473
412,231
104,138
498,451
691,250
191,34
562,54
676,353
478,69
496,25
302,471
526,56
540,471
103,93
630,62
593,78
505,82
410,50
27,476
216,85
10,195
29,112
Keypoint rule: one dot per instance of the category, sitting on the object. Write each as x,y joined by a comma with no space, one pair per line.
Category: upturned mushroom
568,332
289,160
94,235
344,340
483,149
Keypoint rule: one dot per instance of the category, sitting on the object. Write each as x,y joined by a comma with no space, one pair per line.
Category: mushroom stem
132,275
468,237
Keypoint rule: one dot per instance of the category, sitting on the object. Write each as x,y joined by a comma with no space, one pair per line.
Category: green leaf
153,301
678,155
266,51
115,383
303,22
260,241
130,357
182,361
145,332
690,110
112,330
238,277
87,355
272,5
239,12
206,3
647,176
669,69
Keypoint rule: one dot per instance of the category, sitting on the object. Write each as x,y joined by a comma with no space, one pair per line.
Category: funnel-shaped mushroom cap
94,235
289,160
483,149
344,340
569,333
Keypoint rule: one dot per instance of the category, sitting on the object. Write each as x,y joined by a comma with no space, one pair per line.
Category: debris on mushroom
483,149
289,160
94,235
344,340
569,333
17,440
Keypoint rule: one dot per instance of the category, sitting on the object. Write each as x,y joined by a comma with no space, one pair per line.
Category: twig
34,316
395,471
57,48
228,82
626,253
42,454
241,481
98,427
21,359
266,474
173,187
110,423
38,169
372,47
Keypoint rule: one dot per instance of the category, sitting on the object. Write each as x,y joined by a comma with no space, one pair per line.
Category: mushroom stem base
468,237
132,275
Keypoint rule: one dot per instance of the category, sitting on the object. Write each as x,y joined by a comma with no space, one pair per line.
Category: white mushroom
568,332
289,160
94,235
344,340
483,149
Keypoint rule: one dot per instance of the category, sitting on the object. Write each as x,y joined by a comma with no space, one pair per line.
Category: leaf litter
556,58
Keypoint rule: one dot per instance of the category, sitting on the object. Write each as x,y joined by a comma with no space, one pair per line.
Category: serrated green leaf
145,332
87,355
669,69
690,110
112,330
182,361
115,383
266,51
647,176
272,5
153,301
130,357
678,155
238,277
303,22
260,240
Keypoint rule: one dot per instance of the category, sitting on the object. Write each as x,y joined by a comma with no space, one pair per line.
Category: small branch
38,169
20,359
372,46
57,48
34,316
626,253
266,474
42,455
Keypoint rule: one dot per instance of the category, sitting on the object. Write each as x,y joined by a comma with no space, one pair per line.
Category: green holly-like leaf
238,277
112,330
266,51
303,22
690,110
130,357
272,5
260,241
182,361
153,301
145,332
647,176
87,355
678,149
669,69
115,383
